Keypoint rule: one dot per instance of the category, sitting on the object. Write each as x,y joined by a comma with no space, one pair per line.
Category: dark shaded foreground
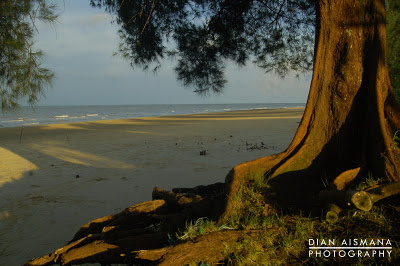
141,234
145,234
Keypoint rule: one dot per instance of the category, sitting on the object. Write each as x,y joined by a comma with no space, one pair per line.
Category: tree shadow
68,182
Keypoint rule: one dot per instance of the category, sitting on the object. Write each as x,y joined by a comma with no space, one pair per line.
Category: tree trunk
351,113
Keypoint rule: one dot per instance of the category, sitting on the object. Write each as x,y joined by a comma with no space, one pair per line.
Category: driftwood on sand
335,200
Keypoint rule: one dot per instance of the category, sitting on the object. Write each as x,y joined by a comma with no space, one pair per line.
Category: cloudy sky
79,49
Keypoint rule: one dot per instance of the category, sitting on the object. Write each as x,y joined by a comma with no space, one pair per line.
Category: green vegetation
369,181
282,239
393,44
203,36
250,200
21,73
199,227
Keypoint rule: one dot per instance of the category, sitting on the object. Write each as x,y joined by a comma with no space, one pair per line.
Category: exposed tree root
140,233
346,178
207,248
239,175
143,249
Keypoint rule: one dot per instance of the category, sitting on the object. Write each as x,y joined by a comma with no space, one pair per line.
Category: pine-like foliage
21,74
203,35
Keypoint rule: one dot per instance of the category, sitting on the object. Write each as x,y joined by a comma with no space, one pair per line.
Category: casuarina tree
348,130
22,76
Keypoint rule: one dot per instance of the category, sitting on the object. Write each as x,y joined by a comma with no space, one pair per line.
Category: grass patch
249,204
284,239
370,181
195,228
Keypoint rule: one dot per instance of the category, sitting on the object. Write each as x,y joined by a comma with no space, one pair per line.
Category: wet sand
55,178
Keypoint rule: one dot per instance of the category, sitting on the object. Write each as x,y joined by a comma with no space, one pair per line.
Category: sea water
42,115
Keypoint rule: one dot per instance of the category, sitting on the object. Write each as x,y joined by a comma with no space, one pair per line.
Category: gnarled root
207,248
137,233
239,175
141,234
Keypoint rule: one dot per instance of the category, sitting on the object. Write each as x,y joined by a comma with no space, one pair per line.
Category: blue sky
79,50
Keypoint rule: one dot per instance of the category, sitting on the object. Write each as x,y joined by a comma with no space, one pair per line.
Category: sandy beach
55,178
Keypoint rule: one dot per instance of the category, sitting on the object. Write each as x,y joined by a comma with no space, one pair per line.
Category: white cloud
96,19
80,51
75,35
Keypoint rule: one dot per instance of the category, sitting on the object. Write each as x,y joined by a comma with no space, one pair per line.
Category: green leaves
21,73
203,35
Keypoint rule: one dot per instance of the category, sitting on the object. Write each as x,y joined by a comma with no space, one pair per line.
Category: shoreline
61,176
25,117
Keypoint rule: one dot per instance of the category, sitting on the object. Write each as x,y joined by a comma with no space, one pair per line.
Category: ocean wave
12,121
18,120
61,116
69,114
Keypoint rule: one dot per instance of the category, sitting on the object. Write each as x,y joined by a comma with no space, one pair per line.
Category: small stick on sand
20,136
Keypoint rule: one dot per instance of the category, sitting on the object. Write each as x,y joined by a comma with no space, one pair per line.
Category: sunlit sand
55,178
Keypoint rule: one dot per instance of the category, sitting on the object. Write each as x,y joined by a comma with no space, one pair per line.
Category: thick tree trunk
351,113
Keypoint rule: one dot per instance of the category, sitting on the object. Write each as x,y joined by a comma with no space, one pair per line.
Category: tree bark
351,113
